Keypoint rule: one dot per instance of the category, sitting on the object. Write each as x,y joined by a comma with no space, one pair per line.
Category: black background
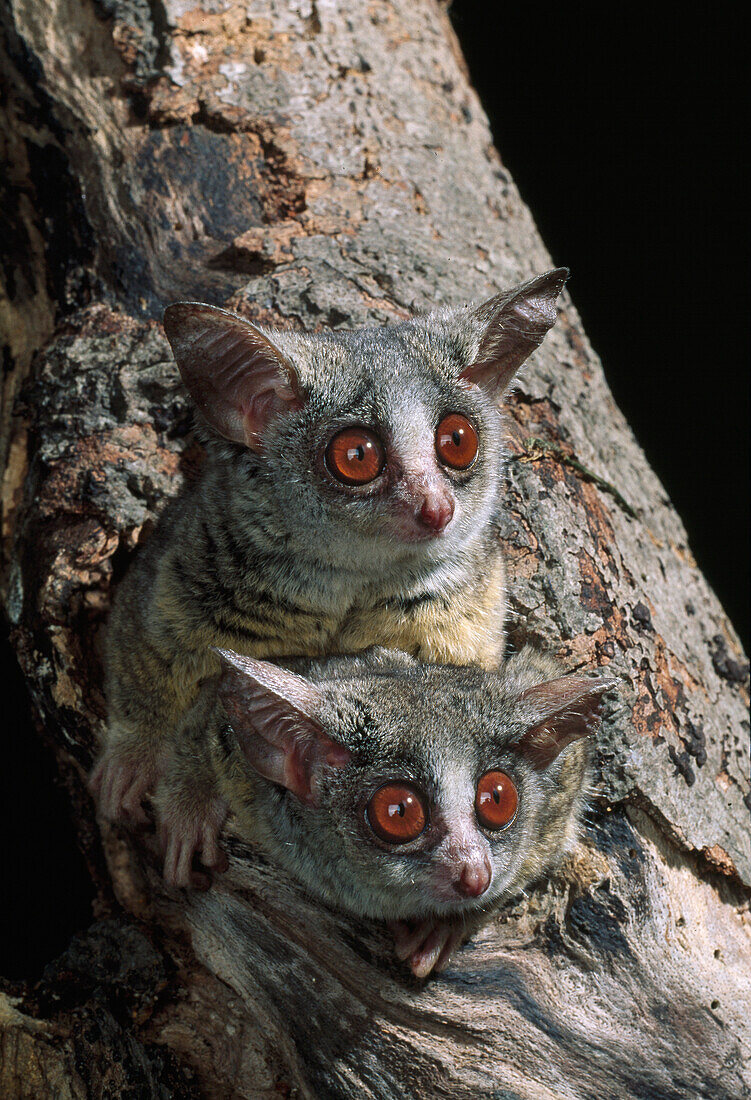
623,130
624,136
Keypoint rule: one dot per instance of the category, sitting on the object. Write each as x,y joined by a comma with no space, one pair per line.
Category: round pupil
356,452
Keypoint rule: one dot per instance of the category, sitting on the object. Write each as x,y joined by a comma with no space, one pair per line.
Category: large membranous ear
274,714
560,711
236,376
511,325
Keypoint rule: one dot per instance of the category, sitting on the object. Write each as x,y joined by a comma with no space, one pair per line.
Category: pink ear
272,712
515,323
238,379
564,710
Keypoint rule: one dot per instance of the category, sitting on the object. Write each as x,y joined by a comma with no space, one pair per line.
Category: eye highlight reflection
456,442
355,456
397,813
496,801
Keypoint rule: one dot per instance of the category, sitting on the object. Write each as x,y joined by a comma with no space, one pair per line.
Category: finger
424,959
184,865
453,942
108,778
94,782
210,852
411,938
169,870
115,791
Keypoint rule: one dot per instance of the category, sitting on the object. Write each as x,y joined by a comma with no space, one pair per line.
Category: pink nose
437,512
474,880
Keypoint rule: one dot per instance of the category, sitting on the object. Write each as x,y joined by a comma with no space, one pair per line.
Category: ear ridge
274,714
563,710
235,374
514,323
300,693
551,696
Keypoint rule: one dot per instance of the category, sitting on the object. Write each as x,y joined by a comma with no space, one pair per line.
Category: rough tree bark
323,163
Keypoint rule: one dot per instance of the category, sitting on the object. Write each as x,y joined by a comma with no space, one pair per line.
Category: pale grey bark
328,164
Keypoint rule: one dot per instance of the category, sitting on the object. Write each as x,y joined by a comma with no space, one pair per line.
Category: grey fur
439,727
268,555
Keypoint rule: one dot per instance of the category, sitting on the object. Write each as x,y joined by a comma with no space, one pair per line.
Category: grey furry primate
424,795
350,497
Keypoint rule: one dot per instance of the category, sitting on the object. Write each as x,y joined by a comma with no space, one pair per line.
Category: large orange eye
496,800
456,441
397,813
355,456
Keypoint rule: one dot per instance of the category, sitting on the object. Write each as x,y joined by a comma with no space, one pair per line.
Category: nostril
474,880
437,512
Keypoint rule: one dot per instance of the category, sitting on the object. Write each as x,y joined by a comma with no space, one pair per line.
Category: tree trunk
327,164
